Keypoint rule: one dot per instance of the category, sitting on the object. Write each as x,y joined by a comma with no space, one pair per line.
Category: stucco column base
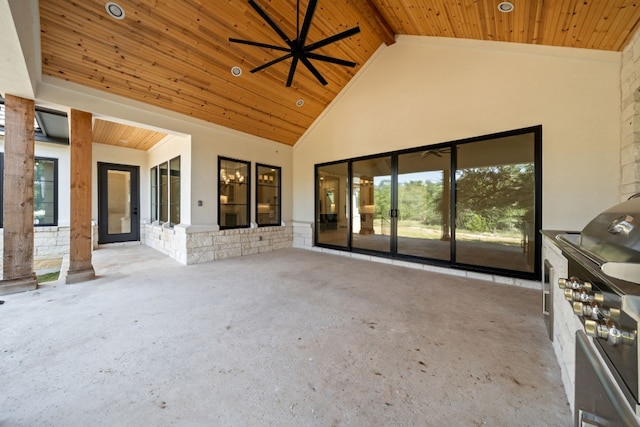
21,284
80,275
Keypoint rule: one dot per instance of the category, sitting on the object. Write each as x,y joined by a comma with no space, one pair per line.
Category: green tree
501,195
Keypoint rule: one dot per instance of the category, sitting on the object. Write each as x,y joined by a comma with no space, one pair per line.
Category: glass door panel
332,204
118,200
424,185
372,222
495,203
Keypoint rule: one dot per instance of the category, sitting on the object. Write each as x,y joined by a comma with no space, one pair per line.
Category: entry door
118,203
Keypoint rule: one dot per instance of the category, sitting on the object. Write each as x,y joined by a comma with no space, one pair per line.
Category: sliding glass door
372,217
472,204
423,223
495,203
332,204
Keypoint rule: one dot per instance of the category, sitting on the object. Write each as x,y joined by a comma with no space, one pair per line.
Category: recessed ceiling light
505,7
114,10
236,71
300,102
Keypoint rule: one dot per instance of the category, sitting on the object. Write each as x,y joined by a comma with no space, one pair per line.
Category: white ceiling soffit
20,57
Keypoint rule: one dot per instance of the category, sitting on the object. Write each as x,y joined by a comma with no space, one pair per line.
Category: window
45,191
268,191
45,197
234,190
165,192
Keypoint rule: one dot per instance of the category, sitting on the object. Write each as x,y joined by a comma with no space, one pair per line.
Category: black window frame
259,182
246,180
157,203
55,191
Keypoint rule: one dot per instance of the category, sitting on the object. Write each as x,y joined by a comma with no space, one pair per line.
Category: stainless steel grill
603,288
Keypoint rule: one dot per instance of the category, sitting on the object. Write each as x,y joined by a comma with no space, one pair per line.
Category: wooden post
80,267
18,272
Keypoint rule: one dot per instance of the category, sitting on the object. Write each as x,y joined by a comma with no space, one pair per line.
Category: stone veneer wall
630,127
565,322
50,245
195,245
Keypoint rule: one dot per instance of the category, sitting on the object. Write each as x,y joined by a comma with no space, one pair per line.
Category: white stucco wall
423,91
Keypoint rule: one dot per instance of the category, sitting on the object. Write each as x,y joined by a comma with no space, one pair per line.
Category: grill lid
614,235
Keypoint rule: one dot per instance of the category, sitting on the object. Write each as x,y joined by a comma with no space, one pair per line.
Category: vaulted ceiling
177,54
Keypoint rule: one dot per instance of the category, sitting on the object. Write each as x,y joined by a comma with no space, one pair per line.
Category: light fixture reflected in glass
235,176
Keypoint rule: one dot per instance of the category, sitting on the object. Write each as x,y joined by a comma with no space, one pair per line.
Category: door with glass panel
118,203
373,204
423,205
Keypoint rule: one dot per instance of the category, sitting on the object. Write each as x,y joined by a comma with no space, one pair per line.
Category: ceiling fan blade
269,21
292,71
311,8
330,59
265,45
334,38
313,70
270,63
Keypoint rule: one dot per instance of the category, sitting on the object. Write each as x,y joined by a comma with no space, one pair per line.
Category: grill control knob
573,283
583,295
609,332
595,312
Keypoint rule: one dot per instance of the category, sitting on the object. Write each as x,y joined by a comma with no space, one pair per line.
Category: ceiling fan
435,152
297,48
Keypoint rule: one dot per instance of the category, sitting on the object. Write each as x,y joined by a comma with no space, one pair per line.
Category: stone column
630,126
80,136
18,272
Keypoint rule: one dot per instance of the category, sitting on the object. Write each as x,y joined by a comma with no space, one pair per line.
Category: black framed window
153,174
45,191
268,191
234,189
174,191
165,192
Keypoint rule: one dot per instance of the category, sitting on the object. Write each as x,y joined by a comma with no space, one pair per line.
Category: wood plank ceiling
177,55
110,133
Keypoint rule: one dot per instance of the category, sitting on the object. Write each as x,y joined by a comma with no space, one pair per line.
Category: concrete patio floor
286,338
